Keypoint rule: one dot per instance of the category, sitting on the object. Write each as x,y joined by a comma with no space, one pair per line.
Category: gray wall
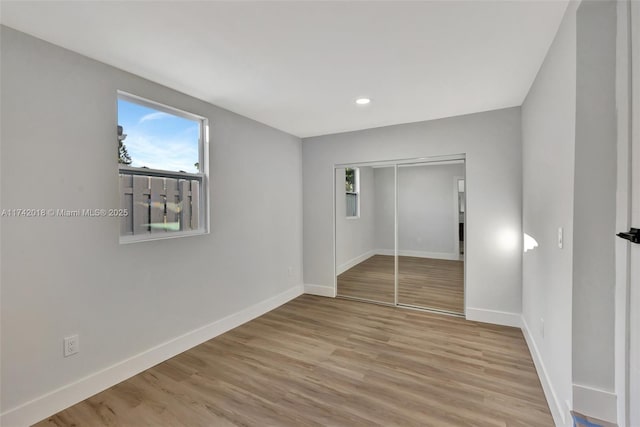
569,181
492,144
354,236
427,214
595,197
62,276
548,137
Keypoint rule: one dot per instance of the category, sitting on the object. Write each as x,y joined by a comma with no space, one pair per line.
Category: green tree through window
350,181
123,155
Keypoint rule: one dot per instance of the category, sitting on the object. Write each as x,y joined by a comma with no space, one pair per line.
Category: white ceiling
299,66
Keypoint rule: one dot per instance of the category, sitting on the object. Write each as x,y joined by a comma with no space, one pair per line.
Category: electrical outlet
290,271
71,345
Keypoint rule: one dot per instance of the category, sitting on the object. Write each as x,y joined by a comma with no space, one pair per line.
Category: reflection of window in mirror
461,195
352,191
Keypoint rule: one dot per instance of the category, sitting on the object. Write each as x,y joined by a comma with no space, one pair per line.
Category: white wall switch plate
560,237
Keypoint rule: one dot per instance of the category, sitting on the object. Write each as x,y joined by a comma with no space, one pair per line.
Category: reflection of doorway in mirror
461,213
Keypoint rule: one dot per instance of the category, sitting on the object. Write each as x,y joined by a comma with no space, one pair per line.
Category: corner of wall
595,402
320,290
559,414
494,316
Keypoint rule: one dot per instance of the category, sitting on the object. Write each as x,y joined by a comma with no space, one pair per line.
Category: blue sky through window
159,140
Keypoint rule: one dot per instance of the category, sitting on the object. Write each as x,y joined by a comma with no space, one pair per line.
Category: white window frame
356,181
202,176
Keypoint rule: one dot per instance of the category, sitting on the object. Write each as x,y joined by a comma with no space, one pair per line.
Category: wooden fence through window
159,204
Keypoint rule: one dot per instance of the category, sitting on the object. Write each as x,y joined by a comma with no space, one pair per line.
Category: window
352,181
162,169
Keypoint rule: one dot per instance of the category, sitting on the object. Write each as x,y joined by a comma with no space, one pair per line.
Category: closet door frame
395,163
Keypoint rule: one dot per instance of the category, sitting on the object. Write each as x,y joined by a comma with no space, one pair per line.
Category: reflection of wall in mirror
426,204
354,236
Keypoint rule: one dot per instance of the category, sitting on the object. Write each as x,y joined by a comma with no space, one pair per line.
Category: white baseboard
496,317
353,262
596,403
559,415
57,400
420,254
321,290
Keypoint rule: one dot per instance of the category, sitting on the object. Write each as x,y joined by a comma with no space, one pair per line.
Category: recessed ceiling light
363,101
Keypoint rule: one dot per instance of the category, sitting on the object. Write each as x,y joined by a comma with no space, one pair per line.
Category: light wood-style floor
320,361
422,282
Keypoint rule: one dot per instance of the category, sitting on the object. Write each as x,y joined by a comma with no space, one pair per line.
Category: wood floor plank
320,361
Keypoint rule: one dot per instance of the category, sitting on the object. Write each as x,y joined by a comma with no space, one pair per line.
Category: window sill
353,217
159,236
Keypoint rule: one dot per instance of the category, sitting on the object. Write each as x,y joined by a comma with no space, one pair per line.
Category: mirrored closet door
364,222
400,233
431,236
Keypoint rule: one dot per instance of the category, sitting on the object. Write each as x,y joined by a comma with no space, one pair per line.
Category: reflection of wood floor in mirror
422,282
